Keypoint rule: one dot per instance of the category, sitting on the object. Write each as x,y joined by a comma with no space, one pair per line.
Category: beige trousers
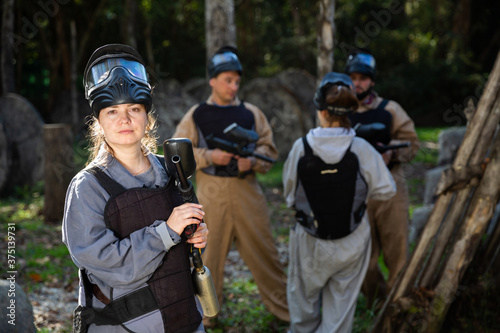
236,211
389,232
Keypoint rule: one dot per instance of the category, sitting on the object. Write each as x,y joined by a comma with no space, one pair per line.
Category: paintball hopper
183,148
241,135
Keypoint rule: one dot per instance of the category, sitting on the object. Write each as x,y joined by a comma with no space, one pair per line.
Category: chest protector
336,194
377,115
213,119
128,210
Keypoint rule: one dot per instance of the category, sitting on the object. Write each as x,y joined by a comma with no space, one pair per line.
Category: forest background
432,56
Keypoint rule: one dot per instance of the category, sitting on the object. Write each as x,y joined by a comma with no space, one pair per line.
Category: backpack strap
307,148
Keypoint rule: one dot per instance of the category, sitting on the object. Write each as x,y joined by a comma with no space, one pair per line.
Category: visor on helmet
224,58
362,59
336,78
224,62
100,72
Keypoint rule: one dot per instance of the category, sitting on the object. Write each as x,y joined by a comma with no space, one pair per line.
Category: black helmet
116,74
361,62
224,60
329,80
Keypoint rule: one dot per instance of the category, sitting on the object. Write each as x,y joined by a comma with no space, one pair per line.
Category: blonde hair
96,138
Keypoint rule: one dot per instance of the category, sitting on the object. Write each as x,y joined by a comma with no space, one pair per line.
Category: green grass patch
364,316
244,311
427,156
41,257
273,178
429,134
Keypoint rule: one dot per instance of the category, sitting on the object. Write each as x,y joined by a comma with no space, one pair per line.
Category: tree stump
59,169
23,130
3,157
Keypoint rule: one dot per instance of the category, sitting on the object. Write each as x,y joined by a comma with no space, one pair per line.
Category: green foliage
273,177
431,56
429,134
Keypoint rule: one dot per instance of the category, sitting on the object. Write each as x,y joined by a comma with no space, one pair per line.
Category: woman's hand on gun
199,239
184,215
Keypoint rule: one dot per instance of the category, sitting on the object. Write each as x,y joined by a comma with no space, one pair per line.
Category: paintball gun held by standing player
239,140
180,162
373,133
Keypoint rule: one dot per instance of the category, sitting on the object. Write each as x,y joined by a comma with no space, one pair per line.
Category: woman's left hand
199,238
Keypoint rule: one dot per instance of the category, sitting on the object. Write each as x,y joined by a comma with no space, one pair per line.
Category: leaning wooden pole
455,183
482,207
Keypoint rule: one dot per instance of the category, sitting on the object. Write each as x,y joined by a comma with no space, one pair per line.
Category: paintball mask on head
115,74
340,108
224,61
363,63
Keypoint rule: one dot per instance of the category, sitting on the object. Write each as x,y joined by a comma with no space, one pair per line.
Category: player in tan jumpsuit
235,207
388,219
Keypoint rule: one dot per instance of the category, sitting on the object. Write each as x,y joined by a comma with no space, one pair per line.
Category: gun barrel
264,158
181,175
384,148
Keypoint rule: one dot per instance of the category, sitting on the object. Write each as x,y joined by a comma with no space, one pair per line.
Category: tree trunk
326,35
455,188
74,76
7,50
128,23
58,169
87,34
220,28
3,157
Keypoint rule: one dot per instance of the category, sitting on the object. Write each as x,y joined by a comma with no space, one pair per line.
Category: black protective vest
171,286
377,115
336,194
213,119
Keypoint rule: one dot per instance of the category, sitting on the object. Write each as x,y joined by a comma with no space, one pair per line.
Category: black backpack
335,193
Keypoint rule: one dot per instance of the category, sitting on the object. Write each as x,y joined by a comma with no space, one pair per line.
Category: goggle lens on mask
362,58
223,58
100,72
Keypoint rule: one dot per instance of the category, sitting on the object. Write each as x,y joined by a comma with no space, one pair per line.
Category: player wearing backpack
328,176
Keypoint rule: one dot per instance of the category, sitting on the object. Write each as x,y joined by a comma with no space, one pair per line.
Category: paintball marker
373,133
179,160
240,138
